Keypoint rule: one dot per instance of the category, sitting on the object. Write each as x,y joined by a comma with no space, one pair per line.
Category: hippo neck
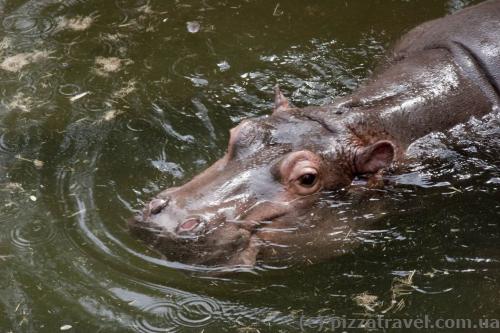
413,97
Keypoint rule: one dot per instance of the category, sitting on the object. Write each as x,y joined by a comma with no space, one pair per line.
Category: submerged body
260,201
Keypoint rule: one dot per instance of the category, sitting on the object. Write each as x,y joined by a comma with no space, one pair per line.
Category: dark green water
104,103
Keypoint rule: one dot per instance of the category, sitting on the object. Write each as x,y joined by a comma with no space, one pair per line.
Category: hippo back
472,36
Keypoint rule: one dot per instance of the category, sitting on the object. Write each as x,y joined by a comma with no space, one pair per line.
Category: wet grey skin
247,205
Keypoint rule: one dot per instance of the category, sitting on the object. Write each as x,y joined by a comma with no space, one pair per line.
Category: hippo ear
372,158
280,101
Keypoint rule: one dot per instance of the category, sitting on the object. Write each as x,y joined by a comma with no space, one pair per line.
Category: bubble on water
193,26
32,234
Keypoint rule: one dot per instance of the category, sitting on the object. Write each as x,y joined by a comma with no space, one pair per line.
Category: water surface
104,103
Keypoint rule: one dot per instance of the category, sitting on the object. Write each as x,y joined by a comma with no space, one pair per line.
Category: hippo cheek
247,256
283,208
226,245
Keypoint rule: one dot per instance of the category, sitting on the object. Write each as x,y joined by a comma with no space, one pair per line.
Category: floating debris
38,164
277,10
16,62
112,37
78,212
5,43
198,82
20,102
33,198
367,301
66,327
77,97
146,9
401,287
14,186
110,65
110,115
126,90
77,23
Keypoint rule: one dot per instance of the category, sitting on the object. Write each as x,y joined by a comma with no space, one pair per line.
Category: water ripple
197,312
192,311
30,96
131,4
139,124
5,145
69,89
32,234
28,25
158,317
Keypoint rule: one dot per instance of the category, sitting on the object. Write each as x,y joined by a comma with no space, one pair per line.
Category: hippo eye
300,172
308,179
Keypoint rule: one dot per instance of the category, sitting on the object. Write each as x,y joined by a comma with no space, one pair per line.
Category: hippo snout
181,235
164,218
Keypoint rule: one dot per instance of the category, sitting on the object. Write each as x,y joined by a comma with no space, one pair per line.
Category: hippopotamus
260,200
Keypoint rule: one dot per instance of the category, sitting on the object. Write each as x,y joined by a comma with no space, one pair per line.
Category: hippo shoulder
470,35
475,27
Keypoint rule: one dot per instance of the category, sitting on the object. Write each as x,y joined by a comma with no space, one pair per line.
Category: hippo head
273,171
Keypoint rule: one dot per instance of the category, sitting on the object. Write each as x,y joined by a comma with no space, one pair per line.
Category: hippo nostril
189,224
157,205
